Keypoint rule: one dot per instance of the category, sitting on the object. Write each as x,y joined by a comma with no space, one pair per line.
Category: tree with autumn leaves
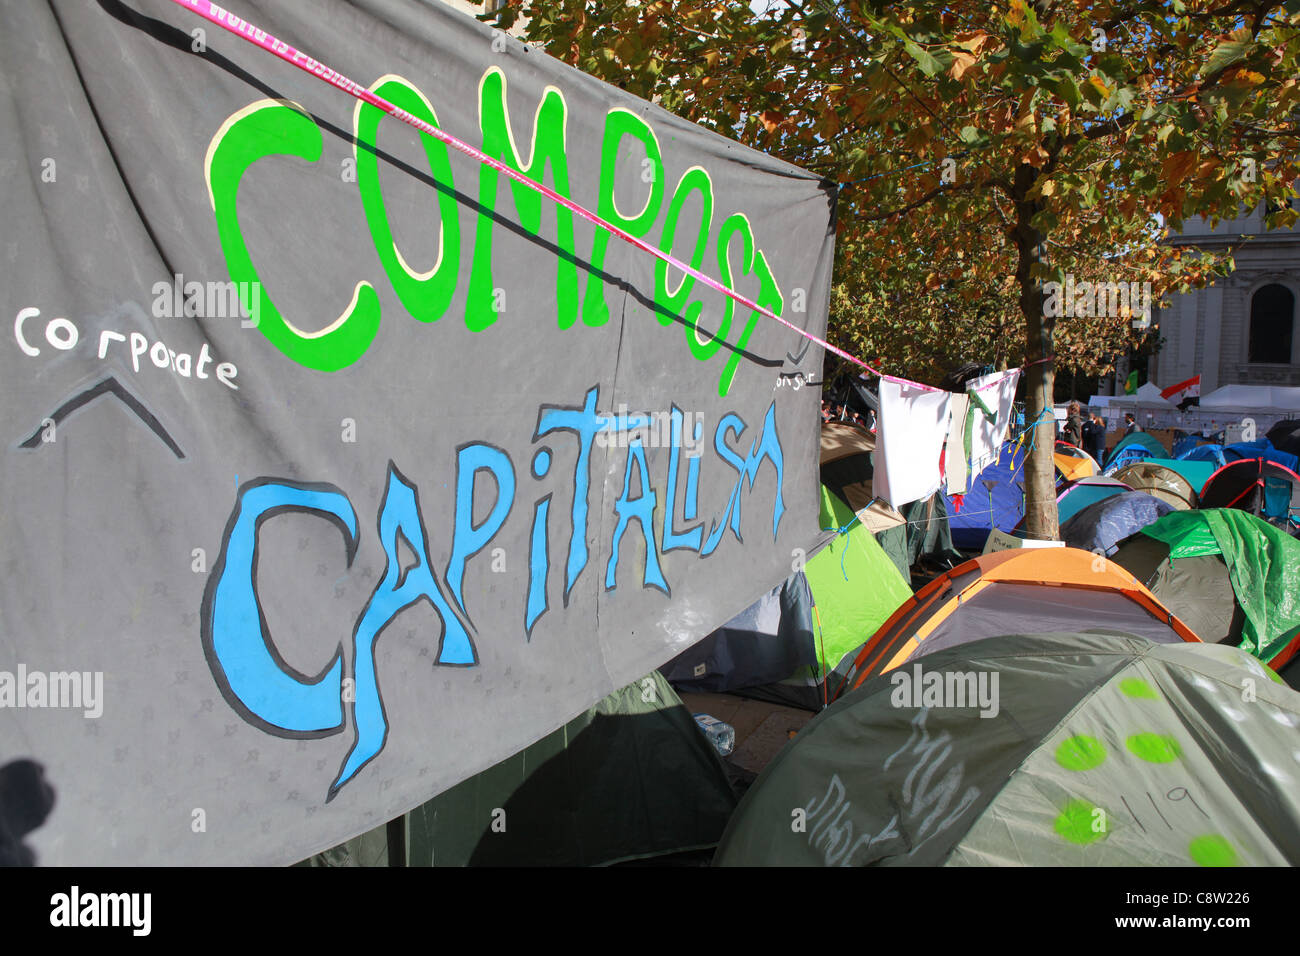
983,149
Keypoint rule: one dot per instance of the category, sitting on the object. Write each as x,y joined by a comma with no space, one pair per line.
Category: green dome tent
1095,749
855,588
1232,577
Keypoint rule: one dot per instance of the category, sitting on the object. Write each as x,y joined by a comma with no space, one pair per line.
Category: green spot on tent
1154,748
1212,850
1137,687
1080,753
1080,822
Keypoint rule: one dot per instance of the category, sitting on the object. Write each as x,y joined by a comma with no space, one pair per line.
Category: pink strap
258,37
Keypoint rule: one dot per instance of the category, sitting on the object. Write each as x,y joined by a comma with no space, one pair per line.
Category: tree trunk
1040,473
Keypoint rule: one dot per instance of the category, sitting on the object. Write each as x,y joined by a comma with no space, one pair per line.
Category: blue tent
1261,449
996,500
1212,453
1104,524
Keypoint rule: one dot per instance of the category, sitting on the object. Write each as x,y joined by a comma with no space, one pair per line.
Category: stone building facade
1243,329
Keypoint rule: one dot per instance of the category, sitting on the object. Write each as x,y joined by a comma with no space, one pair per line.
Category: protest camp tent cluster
1035,733
996,499
1015,591
784,651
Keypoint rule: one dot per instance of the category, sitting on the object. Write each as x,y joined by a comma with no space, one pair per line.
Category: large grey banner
338,466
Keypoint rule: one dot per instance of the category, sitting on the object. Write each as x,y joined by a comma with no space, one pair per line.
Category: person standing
1130,424
1073,432
1094,437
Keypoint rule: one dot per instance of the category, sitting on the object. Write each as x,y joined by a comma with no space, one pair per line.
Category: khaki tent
1051,749
1161,482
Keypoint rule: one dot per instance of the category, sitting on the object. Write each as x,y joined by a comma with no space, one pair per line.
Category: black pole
396,830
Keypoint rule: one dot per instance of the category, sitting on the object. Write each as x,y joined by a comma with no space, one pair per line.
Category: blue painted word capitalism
268,693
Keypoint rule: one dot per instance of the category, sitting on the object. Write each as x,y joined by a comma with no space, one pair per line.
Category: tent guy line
260,38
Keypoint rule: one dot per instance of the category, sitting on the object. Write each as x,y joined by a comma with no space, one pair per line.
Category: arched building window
1272,309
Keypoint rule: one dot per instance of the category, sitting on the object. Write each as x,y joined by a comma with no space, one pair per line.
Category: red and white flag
1188,389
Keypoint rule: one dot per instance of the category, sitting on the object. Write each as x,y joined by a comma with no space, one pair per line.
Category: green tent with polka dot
1086,749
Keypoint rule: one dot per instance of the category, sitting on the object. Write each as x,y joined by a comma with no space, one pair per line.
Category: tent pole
396,830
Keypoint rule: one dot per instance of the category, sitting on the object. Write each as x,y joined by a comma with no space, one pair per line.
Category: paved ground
762,729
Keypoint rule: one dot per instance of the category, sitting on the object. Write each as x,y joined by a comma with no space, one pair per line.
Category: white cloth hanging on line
954,458
998,392
911,429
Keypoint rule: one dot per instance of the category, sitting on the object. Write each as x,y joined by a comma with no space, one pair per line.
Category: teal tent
1195,471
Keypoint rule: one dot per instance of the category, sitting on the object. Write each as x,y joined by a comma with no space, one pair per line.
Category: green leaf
929,63
1227,53
1068,90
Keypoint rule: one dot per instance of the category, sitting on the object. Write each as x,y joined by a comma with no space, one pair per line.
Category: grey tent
1103,524
763,644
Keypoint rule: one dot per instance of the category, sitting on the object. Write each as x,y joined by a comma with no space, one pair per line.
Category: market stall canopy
1252,398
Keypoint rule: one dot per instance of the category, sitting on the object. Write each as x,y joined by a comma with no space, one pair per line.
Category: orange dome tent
1018,591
